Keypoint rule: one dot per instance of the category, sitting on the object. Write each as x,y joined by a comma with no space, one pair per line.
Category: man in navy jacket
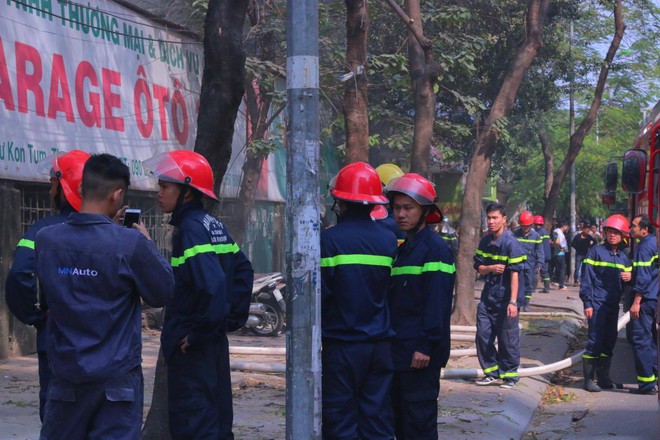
213,286
93,274
356,259
642,310
605,270
420,302
21,291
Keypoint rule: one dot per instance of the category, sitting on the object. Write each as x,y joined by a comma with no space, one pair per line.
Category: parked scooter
268,306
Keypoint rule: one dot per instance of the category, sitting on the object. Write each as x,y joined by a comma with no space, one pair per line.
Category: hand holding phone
131,216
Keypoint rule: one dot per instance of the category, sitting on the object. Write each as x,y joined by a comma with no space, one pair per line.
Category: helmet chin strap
181,196
425,211
58,196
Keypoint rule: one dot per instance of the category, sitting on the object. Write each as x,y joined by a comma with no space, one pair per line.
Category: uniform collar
182,211
80,218
500,239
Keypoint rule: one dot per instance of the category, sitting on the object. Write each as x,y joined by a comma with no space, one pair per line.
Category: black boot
589,372
546,286
603,374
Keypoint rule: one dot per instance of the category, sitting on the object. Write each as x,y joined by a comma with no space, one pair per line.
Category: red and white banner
97,77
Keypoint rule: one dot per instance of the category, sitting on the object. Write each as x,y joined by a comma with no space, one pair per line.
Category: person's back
354,298
92,273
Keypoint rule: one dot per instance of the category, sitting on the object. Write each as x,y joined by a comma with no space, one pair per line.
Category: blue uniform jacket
21,292
645,268
356,259
546,242
213,280
532,244
421,294
92,273
505,250
601,276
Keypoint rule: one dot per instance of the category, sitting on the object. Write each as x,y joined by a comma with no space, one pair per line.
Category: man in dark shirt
582,242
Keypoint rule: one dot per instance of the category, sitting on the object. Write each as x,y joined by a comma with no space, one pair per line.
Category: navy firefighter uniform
213,284
492,319
532,244
93,274
601,288
420,298
21,294
356,259
645,282
547,255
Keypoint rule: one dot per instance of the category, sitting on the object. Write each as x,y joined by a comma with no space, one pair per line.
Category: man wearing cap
605,271
420,299
21,291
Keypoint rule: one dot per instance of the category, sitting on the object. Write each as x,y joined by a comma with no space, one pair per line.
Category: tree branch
420,37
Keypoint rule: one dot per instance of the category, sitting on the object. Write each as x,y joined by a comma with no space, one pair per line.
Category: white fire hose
466,373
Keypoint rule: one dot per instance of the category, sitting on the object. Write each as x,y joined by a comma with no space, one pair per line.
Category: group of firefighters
387,283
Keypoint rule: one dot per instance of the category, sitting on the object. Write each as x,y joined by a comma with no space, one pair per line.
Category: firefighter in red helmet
547,253
356,260
213,286
532,244
421,296
21,293
606,269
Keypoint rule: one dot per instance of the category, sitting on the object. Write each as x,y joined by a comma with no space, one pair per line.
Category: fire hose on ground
467,373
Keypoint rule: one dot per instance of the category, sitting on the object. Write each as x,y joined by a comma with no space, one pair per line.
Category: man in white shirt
561,247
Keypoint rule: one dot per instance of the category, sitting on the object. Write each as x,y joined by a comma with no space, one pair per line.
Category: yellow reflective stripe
607,264
586,356
491,256
432,266
204,249
491,369
505,375
525,240
517,259
363,259
647,379
26,243
447,238
545,236
645,263
528,296
501,257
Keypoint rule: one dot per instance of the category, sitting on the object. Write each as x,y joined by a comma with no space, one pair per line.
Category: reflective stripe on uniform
512,374
204,249
447,238
491,369
647,379
501,257
607,264
431,266
364,259
26,243
526,240
645,263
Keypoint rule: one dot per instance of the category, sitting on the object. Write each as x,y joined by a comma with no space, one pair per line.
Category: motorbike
268,305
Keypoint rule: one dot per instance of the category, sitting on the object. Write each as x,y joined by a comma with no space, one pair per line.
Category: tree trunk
465,307
355,94
575,144
423,73
549,167
157,425
222,83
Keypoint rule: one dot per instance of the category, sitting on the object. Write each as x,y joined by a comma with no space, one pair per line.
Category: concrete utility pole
573,186
303,343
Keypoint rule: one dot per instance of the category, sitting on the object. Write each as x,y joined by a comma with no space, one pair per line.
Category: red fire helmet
186,167
68,168
420,190
538,220
618,222
526,218
359,183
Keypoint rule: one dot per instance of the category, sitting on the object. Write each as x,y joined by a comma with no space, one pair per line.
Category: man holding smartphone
93,274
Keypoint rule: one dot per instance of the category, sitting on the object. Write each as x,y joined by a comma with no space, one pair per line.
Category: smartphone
131,216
